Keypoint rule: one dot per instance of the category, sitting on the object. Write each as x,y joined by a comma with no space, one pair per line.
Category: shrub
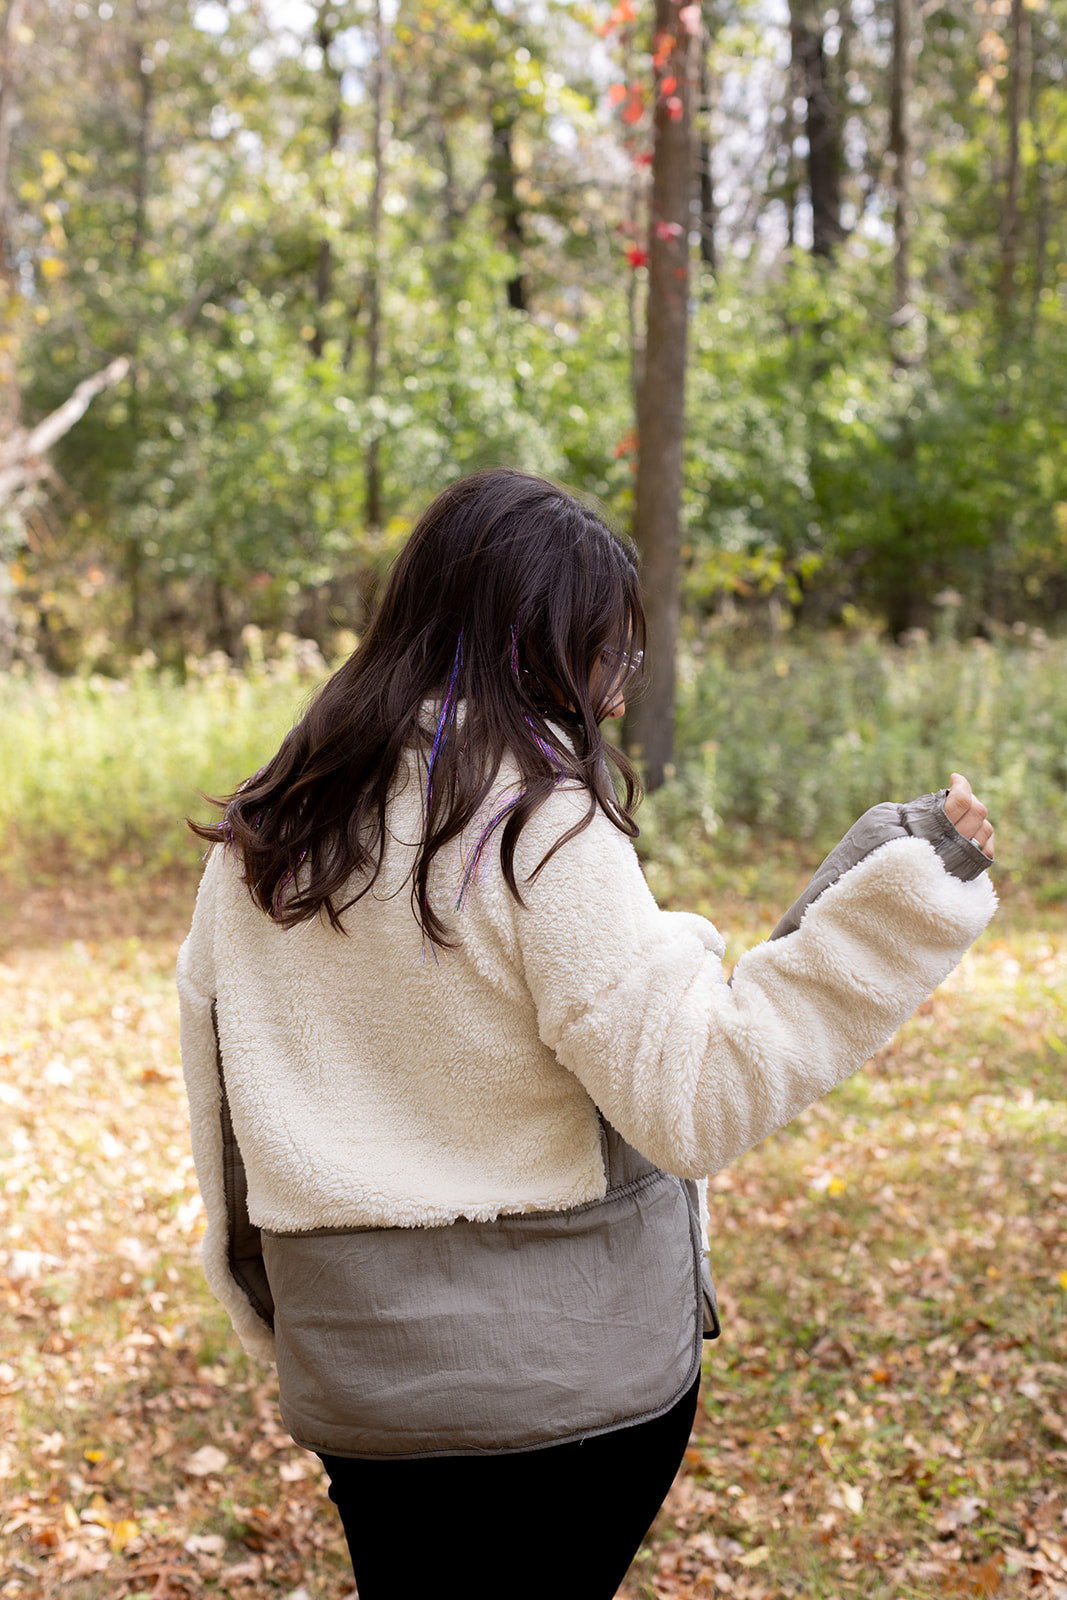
101,772
787,743
794,741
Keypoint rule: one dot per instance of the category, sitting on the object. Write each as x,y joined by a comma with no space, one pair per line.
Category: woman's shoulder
573,862
570,805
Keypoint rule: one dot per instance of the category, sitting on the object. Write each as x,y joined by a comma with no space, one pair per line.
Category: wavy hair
511,599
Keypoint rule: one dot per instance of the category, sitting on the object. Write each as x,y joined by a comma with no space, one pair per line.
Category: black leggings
564,1522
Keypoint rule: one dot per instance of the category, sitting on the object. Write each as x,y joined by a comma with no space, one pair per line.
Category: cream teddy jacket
374,1081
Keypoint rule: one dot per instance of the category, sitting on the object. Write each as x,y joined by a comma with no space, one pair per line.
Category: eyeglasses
630,663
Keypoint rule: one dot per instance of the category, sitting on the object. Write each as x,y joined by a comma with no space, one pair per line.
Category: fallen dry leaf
209,1544
845,1313
209,1458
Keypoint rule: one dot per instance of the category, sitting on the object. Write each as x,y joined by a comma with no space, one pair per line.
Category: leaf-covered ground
885,1414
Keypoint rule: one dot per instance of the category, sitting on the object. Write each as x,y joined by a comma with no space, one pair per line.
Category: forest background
352,251
271,273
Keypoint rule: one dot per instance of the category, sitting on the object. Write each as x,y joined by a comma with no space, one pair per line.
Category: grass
101,772
884,1416
793,742
783,744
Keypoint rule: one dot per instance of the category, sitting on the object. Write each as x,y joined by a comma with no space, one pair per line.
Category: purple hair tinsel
284,881
445,722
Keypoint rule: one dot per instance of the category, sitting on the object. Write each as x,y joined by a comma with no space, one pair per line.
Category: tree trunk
901,593
22,455
223,634
9,39
639,204
10,408
707,209
145,97
1007,310
846,23
325,29
790,181
507,202
1018,32
23,462
661,401
900,603
899,87
806,31
373,503
132,563
1042,197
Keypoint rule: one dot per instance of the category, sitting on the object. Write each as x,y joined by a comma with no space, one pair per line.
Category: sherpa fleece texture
374,1081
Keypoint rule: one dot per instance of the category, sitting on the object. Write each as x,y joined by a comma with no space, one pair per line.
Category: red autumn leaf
622,13
617,94
643,158
674,108
662,46
636,256
626,445
634,108
668,230
668,85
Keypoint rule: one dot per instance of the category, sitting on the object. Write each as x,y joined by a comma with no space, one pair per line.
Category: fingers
958,799
984,839
968,815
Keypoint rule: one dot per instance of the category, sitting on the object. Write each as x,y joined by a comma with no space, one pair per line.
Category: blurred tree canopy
354,248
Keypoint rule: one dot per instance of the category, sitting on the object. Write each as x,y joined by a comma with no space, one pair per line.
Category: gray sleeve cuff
921,819
925,819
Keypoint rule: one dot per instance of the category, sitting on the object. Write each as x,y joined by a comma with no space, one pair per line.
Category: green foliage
794,741
788,743
101,772
818,474
209,193
201,187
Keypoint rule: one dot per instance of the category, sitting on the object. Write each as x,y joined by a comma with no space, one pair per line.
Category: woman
453,1074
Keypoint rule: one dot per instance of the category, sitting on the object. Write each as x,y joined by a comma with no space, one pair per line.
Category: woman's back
375,1080
453,1074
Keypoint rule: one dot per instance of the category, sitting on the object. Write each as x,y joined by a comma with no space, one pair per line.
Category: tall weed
796,741
100,773
789,743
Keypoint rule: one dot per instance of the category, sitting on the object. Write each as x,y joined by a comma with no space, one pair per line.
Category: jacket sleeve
694,1071
921,819
230,1251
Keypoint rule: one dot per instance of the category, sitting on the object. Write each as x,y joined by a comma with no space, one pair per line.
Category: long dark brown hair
511,600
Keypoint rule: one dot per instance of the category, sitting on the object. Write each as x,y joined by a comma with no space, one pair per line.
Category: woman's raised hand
968,815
